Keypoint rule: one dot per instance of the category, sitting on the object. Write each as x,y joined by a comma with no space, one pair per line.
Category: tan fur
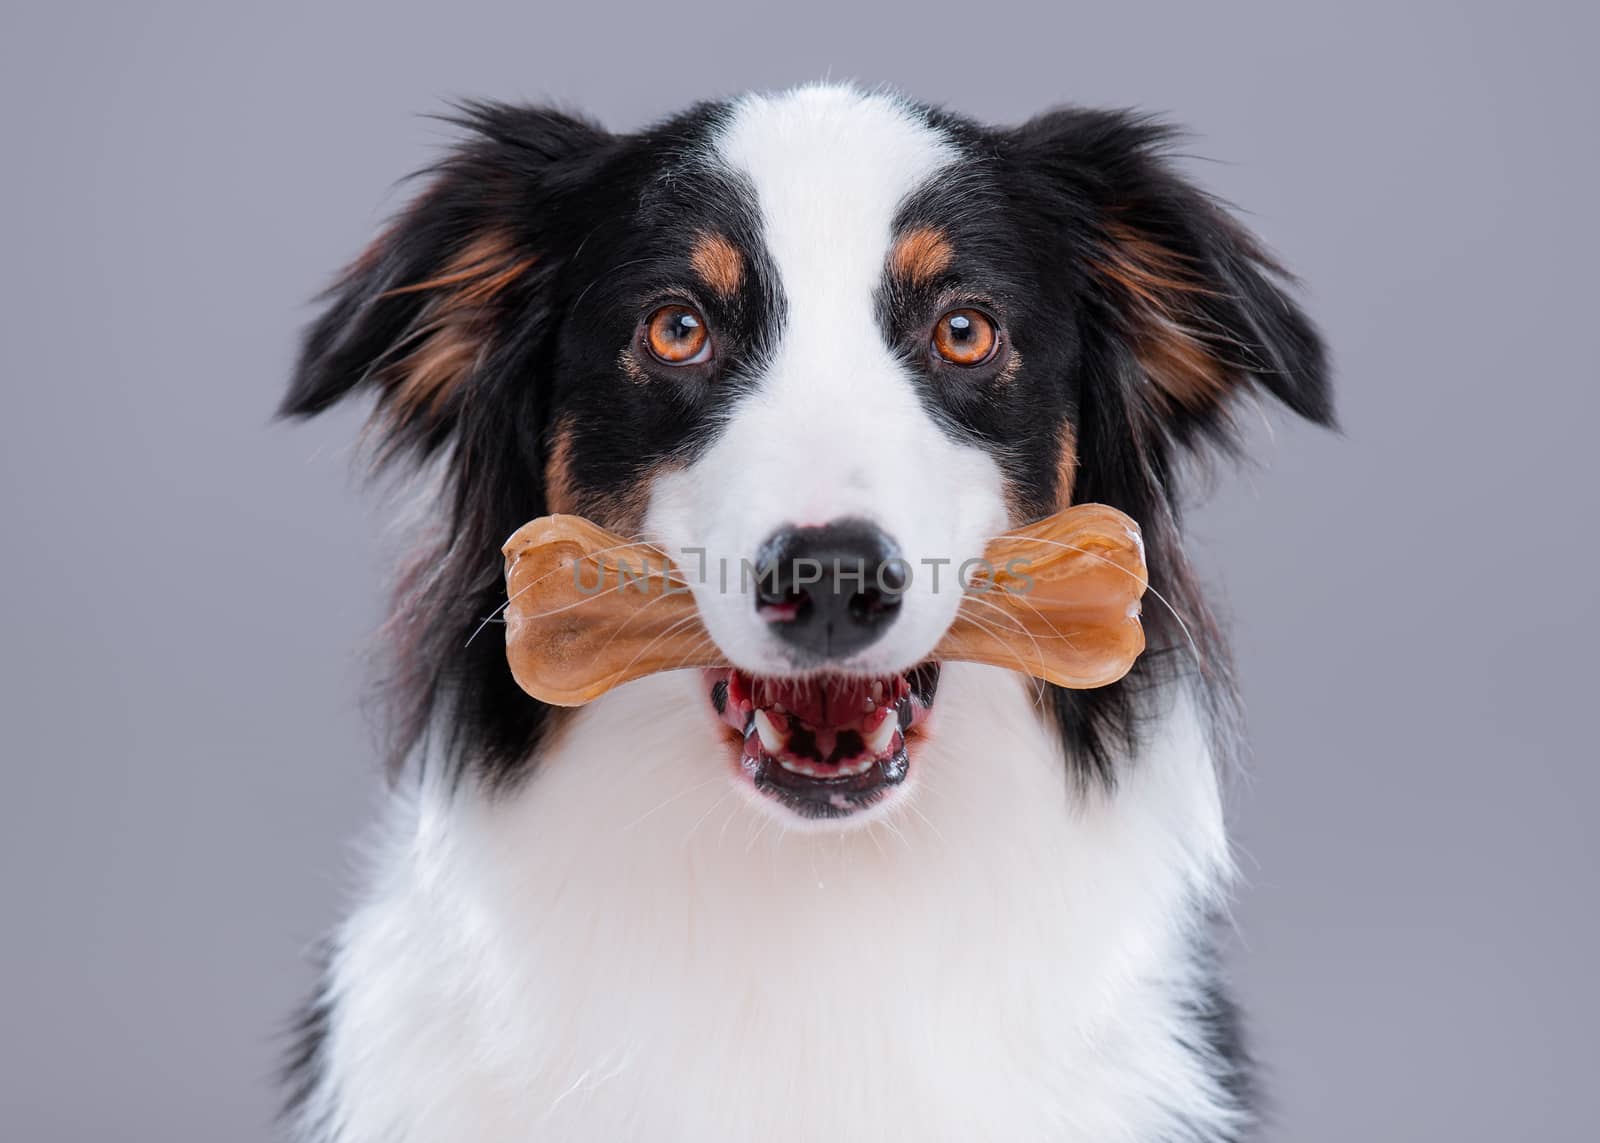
453,329
622,512
921,255
1158,288
559,494
718,263
630,367
1066,465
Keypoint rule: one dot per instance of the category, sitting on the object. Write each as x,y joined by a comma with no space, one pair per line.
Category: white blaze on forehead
833,425
830,166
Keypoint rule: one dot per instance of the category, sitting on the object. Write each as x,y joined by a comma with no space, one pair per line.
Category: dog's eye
965,337
677,335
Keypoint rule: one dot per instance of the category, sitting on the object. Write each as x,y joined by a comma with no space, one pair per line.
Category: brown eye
965,337
677,335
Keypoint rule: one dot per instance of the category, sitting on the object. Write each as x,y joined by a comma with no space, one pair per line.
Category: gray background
188,588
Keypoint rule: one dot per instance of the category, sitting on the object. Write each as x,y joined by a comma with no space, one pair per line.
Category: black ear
415,319
1190,297
443,320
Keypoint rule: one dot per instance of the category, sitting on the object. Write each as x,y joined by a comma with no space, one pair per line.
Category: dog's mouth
825,746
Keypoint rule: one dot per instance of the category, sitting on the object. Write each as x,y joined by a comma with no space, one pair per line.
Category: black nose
830,590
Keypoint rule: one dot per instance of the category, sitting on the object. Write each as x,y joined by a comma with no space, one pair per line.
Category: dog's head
824,329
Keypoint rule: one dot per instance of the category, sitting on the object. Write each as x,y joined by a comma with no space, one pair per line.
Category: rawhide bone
589,610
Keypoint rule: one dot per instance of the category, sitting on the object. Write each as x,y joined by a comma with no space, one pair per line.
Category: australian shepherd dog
745,904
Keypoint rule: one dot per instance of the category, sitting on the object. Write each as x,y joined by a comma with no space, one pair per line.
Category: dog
828,323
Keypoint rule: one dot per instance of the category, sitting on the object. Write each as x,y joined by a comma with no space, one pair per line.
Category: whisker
623,584
766,820
1193,646
711,809
1022,663
889,825
692,653
675,625
1039,690
493,615
914,808
667,802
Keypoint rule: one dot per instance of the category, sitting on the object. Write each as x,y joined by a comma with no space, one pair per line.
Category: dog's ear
1196,305
415,318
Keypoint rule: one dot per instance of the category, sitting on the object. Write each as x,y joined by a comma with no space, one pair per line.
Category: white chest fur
625,949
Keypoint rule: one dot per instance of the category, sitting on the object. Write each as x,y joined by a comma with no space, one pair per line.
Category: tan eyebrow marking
921,255
718,263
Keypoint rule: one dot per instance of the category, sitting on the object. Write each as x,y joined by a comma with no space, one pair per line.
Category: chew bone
589,611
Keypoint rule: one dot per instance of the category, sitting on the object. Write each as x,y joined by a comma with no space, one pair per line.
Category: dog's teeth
880,739
877,690
773,739
854,769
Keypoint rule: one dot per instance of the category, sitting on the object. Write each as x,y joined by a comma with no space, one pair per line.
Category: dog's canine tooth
773,739
882,738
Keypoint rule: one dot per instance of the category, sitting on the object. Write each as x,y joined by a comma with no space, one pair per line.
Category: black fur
1218,1036
303,1064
